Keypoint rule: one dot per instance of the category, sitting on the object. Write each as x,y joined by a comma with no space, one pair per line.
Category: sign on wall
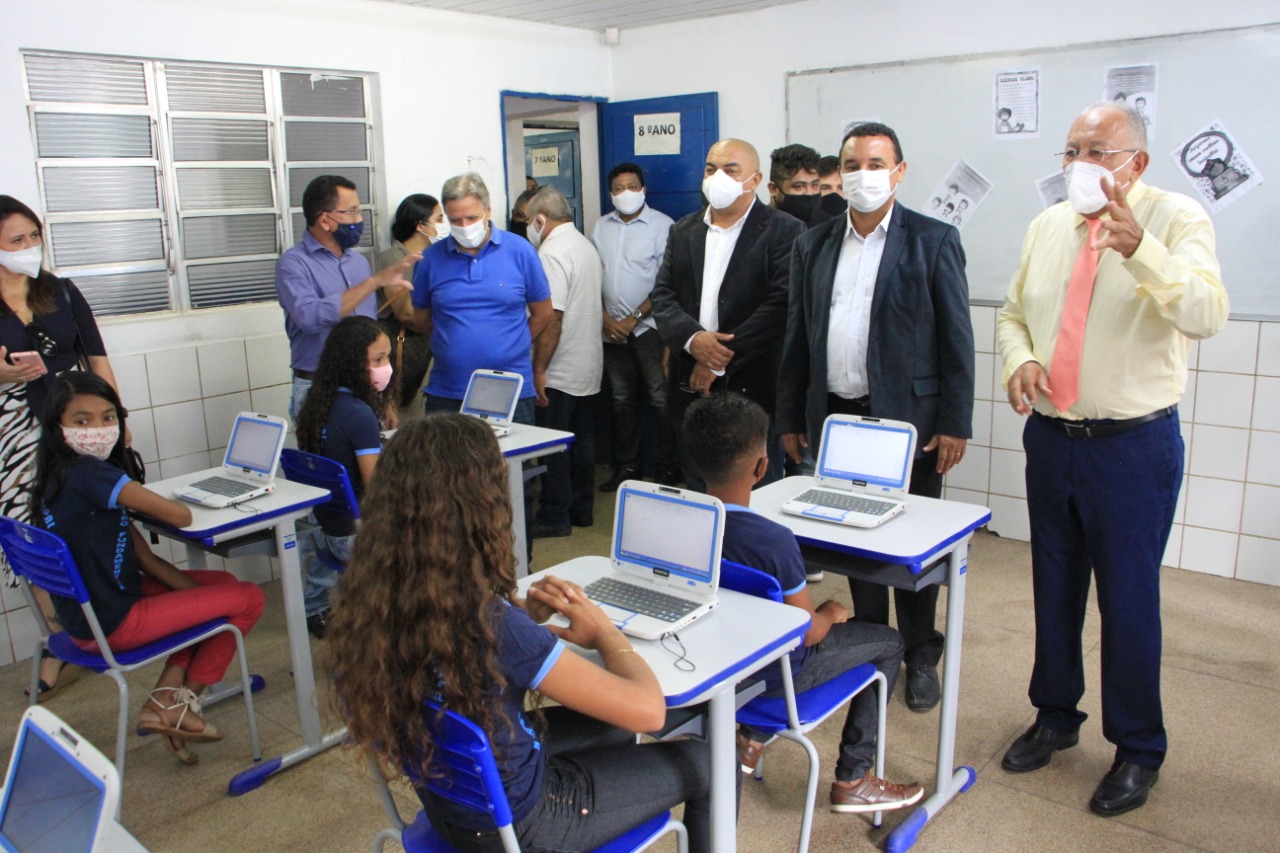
657,133
546,162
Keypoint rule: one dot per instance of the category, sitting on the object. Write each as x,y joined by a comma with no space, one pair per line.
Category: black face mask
802,207
833,205
520,228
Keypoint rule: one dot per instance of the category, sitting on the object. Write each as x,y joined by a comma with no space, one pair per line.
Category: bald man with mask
720,299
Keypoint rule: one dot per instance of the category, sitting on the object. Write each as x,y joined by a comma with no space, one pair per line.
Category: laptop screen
52,804
667,533
875,454
253,445
491,396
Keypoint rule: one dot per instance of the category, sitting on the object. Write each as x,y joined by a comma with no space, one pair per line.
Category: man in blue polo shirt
482,298
323,279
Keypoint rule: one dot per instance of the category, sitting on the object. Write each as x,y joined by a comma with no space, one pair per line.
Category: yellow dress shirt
1145,310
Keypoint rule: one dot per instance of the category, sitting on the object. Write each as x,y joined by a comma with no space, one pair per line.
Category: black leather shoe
1036,746
582,521
1123,789
611,484
318,623
542,530
923,690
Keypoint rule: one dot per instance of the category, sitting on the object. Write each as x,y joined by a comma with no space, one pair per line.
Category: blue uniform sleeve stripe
115,492
794,589
372,451
552,657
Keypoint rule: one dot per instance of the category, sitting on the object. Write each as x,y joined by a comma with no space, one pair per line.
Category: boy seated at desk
726,436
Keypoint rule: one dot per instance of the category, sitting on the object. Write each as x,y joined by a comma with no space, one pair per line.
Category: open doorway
554,140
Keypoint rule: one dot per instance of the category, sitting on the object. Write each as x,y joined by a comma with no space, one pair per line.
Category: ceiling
599,14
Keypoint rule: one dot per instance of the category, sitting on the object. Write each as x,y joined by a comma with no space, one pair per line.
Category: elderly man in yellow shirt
1112,288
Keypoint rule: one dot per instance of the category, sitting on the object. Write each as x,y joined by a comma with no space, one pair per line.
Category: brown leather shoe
873,794
749,752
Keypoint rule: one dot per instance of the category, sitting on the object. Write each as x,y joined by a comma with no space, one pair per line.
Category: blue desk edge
205,537
915,563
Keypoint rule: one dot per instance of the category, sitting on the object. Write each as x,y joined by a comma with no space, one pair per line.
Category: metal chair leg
246,686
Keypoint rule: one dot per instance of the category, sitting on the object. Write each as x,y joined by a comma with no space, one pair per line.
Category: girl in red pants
82,494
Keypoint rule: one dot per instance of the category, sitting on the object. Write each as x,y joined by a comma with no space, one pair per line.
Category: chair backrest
323,473
749,581
42,558
467,772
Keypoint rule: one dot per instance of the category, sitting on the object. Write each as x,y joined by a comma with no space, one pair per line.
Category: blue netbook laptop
492,396
248,467
60,793
863,472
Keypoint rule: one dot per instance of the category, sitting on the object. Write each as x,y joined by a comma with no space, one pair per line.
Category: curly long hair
344,363
415,621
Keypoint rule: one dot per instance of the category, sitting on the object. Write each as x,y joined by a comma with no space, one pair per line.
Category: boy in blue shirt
726,437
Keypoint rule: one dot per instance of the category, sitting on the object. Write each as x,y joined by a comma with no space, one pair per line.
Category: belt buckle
1077,430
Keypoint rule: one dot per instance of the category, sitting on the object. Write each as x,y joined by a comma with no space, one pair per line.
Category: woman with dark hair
82,493
352,399
419,222
47,324
430,611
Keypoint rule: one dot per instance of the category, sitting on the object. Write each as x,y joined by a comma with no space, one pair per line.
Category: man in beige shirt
1098,360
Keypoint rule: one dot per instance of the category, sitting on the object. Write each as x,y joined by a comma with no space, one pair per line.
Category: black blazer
920,353
752,302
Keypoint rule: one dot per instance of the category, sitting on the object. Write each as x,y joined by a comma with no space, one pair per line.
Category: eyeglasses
352,211
47,346
1093,155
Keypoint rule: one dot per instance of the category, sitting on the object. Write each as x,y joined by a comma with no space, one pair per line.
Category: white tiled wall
181,405
1228,518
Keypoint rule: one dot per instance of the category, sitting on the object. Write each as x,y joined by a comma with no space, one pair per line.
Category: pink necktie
1064,372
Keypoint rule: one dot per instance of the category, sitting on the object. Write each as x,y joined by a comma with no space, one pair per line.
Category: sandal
179,749
66,675
185,699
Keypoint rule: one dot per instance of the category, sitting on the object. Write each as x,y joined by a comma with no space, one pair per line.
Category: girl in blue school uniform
350,402
430,610
82,494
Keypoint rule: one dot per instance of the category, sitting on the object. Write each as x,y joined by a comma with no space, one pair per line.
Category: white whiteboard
942,110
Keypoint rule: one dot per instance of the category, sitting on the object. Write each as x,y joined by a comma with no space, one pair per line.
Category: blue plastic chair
41,558
470,779
794,715
323,473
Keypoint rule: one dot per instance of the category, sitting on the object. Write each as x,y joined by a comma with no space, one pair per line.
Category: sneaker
813,577
318,623
611,484
872,794
749,753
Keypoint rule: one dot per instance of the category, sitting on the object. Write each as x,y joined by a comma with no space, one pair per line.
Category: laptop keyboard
850,502
225,486
649,602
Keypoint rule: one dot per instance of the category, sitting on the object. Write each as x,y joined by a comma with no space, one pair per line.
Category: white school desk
727,645
263,525
927,543
521,443
526,442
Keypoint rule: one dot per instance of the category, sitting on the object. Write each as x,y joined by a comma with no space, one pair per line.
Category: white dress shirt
719,249
849,327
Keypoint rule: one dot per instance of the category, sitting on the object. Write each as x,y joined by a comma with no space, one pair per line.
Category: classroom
449,87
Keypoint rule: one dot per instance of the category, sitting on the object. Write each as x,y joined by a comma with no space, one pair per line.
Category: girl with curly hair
351,400
430,611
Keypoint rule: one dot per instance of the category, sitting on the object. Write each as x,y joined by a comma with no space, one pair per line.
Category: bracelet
616,652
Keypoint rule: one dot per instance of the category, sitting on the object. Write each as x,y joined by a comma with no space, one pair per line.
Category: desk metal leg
198,560
313,742
515,485
721,727
949,780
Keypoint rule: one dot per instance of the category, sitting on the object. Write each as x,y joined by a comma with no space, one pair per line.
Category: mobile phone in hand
29,359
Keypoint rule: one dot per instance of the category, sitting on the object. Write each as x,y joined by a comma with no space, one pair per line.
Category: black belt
1105,427
304,374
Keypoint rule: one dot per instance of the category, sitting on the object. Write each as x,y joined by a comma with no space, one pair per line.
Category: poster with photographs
1015,104
1134,86
1052,188
1216,166
958,195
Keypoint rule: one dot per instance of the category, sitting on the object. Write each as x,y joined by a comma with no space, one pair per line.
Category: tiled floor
1217,791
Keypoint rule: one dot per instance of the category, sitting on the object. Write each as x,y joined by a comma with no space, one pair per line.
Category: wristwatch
637,315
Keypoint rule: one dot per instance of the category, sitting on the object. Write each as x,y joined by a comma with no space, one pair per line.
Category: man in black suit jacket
878,325
720,298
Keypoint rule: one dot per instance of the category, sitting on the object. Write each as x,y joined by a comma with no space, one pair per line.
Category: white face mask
533,233
1084,188
97,442
628,202
868,189
721,190
470,236
442,229
24,261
